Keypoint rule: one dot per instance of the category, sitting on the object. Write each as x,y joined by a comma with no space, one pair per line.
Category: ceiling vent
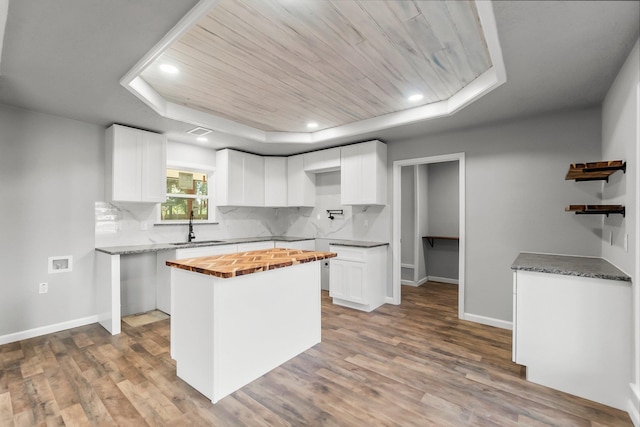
200,131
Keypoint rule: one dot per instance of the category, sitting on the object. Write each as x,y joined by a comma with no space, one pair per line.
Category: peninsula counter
237,316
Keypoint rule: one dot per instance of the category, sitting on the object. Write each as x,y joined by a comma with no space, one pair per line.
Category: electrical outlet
43,288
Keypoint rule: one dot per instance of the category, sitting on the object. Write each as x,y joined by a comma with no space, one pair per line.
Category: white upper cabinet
275,181
135,165
301,184
363,174
322,161
239,179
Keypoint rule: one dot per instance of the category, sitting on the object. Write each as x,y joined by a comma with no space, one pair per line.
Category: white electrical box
60,264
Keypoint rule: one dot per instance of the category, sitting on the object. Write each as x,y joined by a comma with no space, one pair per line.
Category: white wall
621,140
516,194
51,169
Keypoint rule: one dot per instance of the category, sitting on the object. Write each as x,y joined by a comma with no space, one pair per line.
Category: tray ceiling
266,69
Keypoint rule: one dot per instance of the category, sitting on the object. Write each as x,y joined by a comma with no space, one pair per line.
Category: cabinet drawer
348,253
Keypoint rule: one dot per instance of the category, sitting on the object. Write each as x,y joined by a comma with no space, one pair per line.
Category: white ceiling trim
4,13
479,87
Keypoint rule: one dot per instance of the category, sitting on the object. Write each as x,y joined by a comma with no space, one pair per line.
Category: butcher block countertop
241,263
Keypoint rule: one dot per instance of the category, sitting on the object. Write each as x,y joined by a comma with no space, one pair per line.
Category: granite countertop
357,243
596,268
242,263
155,247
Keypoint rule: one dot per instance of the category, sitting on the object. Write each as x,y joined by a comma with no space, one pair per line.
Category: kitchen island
237,316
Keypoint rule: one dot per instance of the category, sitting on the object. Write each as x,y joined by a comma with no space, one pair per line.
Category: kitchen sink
202,242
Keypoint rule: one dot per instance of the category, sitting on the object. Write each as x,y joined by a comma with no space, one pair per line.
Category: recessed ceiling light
312,125
202,139
169,69
416,97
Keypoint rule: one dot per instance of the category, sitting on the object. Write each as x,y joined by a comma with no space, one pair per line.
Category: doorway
398,242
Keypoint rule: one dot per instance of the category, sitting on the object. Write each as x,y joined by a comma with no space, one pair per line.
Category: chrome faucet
191,235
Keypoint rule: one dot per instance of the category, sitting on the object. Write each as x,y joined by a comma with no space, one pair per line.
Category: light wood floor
413,364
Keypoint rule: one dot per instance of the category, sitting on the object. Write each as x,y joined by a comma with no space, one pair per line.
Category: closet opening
428,223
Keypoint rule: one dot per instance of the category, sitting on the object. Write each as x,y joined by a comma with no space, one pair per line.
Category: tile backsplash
131,224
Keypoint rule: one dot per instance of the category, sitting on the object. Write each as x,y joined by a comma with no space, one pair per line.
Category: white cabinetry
239,179
357,276
305,245
574,334
322,161
255,246
135,165
301,184
275,181
363,174
163,273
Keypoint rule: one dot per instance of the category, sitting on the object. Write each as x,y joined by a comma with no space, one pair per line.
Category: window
187,191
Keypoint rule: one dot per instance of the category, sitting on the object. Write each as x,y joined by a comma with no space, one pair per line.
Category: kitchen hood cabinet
135,165
239,178
363,174
322,161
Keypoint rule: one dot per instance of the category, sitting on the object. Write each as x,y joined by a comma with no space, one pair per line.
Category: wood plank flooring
414,364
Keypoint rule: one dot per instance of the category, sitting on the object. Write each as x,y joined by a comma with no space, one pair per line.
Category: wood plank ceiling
276,65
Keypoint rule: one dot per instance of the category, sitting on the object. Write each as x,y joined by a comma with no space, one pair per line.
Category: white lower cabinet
574,334
357,276
254,246
163,273
304,245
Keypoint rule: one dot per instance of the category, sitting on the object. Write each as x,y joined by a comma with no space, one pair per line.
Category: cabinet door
347,281
253,187
154,170
125,153
206,251
275,181
301,186
255,246
235,178
350,174
363,174
239,179
305,245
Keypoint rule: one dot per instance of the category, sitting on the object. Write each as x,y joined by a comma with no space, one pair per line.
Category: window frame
211,207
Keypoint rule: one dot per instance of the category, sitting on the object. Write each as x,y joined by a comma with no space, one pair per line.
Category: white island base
228,332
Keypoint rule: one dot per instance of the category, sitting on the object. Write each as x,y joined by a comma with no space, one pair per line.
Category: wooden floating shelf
595,171
596,209
430,239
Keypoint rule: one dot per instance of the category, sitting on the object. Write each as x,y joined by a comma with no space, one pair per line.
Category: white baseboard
442,280
49,329
633,408
422,281
490,321
414,284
